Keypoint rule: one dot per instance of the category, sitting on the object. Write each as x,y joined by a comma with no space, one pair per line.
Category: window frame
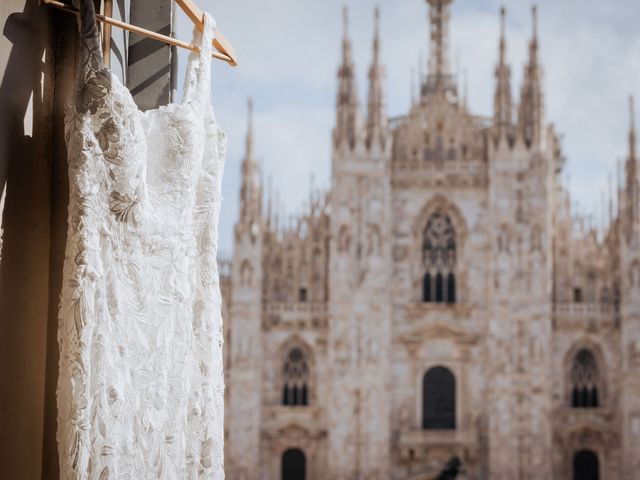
305,391
453,399
439,263
602,382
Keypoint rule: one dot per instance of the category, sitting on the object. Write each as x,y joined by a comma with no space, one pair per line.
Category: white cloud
289,51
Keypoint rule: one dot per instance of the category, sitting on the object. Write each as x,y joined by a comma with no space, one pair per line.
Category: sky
289,51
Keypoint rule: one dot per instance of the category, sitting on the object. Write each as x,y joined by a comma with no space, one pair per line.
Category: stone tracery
295,378
439,259
585,380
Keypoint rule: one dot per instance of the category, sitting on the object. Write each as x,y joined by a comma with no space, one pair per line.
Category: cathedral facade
439,302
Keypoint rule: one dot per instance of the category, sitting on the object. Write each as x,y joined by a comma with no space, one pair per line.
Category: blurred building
440,301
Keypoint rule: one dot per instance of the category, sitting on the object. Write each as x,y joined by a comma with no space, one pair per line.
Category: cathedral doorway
294,465
586,465
439,399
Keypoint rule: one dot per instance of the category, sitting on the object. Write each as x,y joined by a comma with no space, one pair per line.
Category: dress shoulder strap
93,79
198,76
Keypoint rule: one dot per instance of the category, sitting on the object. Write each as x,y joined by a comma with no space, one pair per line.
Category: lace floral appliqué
140,391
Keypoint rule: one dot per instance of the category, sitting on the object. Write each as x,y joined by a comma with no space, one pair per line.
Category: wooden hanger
224,49
220,43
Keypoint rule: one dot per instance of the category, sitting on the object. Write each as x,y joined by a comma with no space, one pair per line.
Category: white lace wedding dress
140,391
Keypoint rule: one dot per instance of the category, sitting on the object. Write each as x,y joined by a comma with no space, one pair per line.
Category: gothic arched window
586,465
584,380
344,239
439,399
426,287
246,273
289,280
439,288
295,375
317,276
277,284
294,464
451,288
439,259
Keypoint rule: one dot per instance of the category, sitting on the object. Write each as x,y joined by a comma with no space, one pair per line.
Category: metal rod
140,31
